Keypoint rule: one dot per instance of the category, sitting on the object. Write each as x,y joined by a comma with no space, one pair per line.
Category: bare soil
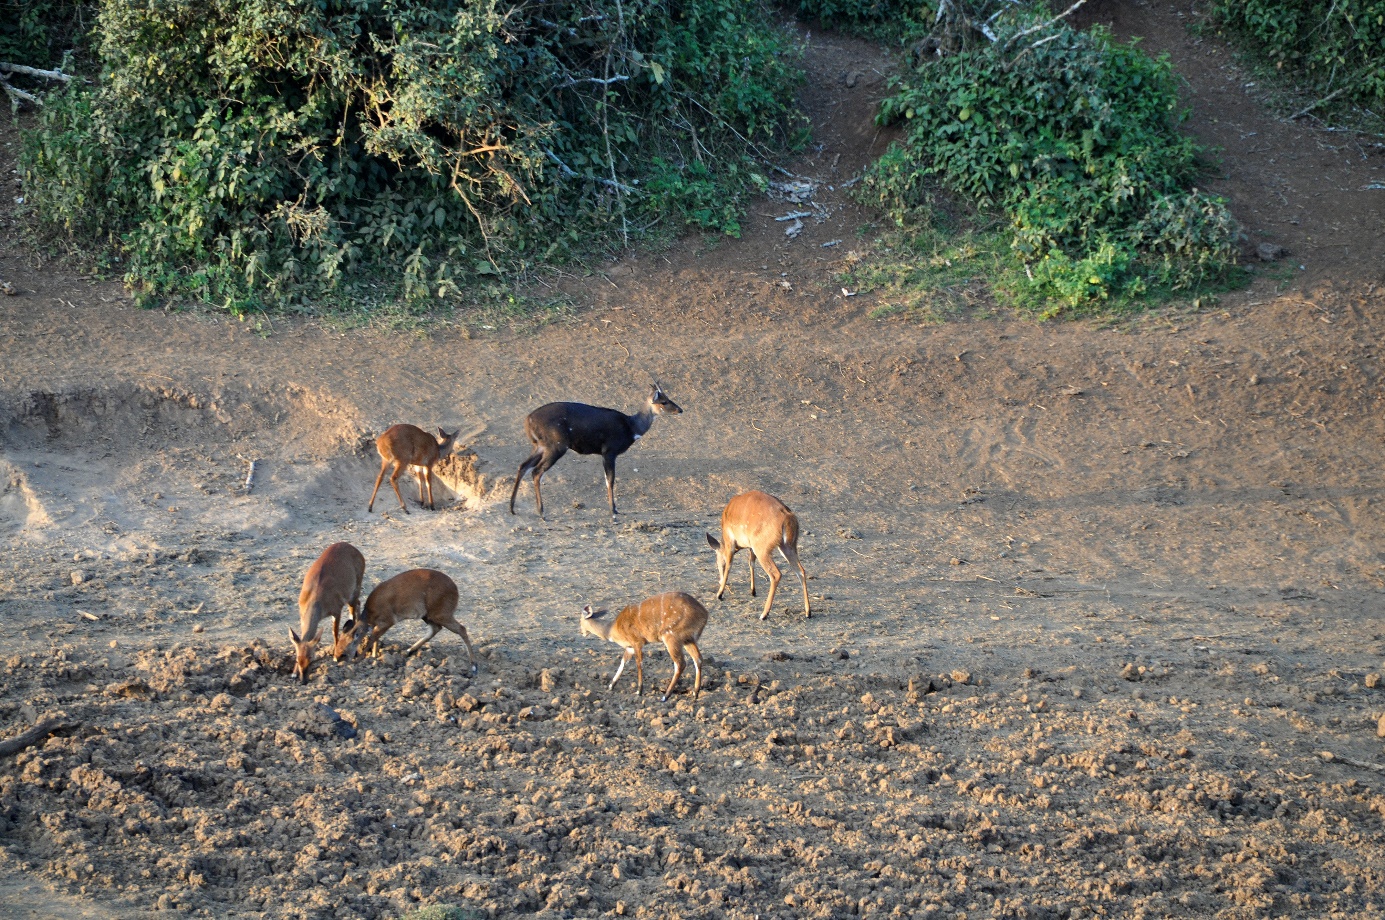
1097,608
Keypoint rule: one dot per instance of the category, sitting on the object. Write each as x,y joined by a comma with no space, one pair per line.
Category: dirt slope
1090,603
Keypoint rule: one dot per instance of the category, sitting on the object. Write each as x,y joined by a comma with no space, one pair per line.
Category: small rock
1380,727
841,654
78,576
1372,681
961,677
547,681
1254,380
1270,252
779,656
199,628
1129,672
467,703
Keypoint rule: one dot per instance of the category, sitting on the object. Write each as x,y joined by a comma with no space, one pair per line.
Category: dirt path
1090,602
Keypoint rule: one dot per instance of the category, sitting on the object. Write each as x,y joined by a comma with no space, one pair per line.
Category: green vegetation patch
886,20
258,153
1336,47
1073,138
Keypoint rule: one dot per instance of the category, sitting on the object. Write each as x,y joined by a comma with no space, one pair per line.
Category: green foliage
1330,44
40,33
1074,137
882,19
260,152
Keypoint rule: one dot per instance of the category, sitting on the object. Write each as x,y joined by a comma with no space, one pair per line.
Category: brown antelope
410,446
558,427
418,594
675,618
332,582
760,523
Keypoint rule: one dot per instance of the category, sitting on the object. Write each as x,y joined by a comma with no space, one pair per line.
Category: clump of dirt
460,472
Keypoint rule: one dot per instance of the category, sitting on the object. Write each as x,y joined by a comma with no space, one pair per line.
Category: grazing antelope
418,594
556,428
410,446
675,618
333,581
760,523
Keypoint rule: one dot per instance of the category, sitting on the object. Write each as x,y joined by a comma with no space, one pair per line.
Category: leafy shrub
1074,136
39,33
254,152
1332,44
899,19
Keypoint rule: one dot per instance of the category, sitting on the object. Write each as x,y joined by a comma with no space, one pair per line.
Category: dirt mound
460,472
118,419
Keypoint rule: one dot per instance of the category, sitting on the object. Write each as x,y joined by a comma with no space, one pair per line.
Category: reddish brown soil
1096,627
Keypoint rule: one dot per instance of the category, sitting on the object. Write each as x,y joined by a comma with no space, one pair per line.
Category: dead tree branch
1323,101
57,75
1044,25
12,746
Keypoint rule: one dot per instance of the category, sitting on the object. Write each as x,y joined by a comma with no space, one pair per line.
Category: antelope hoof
473,669
765,615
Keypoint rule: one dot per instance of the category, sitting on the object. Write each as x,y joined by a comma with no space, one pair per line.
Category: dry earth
1097,609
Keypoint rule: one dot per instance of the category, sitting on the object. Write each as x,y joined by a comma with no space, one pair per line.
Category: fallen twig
250,477
35,72
17,95
33,736
1363,764
1323,101
89,616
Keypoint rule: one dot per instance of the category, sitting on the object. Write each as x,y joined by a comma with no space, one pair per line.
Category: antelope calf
558,427
412,447
332,582
762,524
418,594
675,618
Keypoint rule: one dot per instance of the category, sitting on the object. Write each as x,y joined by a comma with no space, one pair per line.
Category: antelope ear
587,612
712,542
294,637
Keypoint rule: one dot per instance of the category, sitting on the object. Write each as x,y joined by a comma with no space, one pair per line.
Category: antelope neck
640,421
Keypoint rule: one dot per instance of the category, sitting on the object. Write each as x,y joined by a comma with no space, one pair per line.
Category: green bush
883,19
1074,136
41,33
1331,44
259,152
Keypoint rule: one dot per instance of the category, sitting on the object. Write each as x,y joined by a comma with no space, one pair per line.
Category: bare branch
571,81
570,173
18,96
57,75
1323,101
33,736
1044,25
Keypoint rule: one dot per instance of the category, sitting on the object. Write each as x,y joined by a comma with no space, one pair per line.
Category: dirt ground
1097,618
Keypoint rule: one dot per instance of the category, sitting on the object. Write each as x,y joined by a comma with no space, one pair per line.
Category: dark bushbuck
556,428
